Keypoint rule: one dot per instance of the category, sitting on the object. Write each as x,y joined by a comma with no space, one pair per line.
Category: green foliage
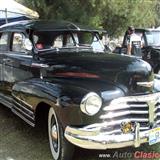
157,10
119,14
112,15
80,11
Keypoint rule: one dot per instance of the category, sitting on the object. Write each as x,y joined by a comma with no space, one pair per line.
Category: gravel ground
19,141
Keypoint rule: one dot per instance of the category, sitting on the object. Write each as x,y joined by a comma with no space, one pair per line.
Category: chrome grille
157,113
130,109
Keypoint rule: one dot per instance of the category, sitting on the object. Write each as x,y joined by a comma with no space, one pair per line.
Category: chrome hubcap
54,133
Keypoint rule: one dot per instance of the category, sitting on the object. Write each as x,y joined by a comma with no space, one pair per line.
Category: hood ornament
145,84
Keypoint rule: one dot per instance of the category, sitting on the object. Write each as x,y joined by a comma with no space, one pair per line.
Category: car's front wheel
61,149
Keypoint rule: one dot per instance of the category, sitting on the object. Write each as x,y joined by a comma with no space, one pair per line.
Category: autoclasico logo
146,155
135,155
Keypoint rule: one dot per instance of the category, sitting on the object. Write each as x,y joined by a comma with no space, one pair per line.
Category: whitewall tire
61,149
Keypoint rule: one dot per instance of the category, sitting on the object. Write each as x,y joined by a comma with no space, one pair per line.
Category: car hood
153,47
153,52
123,71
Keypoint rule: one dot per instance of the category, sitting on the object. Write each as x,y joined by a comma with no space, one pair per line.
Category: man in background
134,42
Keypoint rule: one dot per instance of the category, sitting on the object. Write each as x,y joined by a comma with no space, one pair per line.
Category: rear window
18,42
3,41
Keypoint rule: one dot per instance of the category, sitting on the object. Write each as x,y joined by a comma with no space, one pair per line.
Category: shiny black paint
39,77
119,70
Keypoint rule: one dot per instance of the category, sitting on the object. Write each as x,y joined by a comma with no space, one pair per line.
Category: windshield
153,38
44,40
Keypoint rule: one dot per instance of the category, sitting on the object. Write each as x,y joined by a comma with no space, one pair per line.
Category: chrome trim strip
39,65
145,84
6,101
111,115
109,130
112,132
157,76
24,108
144,128
158,107
123,106
118,122
156,115
141,98
116,131
157,121
22,117
29,106
24,113
126,120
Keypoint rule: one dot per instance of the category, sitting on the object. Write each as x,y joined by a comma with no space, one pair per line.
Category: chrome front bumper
95,139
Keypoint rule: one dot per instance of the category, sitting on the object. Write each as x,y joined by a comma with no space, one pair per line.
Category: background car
150,49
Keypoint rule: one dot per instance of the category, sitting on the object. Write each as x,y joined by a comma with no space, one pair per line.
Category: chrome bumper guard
96,140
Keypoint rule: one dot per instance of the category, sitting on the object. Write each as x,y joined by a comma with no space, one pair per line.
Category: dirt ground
19,141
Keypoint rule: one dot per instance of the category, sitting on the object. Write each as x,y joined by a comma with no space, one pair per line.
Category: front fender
64,97
34,91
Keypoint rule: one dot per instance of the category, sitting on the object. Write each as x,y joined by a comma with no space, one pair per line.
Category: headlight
91,104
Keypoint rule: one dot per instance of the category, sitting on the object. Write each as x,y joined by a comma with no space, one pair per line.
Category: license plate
154,136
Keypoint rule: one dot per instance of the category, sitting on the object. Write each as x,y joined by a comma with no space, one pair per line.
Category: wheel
61,149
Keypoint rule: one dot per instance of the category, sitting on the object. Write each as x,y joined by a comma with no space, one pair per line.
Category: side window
65,40
18,42
69,41
58,42
3,41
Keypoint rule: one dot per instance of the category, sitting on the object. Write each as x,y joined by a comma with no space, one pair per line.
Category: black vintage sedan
151,46
59,73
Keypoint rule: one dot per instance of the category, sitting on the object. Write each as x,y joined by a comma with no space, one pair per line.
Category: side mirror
28,44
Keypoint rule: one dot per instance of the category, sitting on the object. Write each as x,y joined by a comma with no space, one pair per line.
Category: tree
80,11
157,10
112,15
118,15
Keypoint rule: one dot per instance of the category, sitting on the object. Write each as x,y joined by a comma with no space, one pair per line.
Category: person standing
134,43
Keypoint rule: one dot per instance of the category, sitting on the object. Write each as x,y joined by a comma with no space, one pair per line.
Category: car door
16,62
4,49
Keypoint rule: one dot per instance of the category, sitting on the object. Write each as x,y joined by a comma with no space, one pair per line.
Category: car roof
43,25
147,29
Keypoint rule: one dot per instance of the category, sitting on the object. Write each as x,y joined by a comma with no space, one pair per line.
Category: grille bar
110,115
130,109
123,106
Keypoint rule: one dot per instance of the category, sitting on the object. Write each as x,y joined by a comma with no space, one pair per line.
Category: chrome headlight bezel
91,104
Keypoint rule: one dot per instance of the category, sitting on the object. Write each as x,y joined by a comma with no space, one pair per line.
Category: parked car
150,49
91,99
